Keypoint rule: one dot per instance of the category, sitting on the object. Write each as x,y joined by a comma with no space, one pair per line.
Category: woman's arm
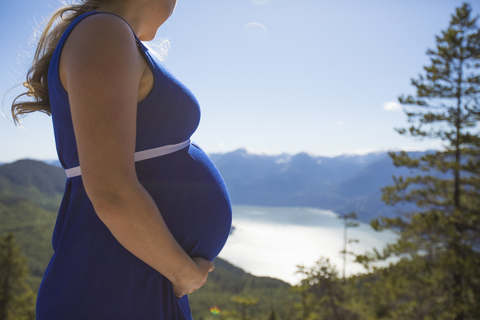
101,68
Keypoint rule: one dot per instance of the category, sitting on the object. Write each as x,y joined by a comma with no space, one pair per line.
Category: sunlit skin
145,16
105,76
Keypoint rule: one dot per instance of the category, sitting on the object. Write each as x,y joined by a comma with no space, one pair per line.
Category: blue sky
271,76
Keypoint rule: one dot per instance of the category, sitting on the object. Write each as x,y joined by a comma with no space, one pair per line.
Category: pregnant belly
192,199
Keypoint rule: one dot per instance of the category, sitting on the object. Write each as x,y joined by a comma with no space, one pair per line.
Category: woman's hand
194,280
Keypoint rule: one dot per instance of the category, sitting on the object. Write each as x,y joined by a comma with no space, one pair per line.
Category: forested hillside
30,194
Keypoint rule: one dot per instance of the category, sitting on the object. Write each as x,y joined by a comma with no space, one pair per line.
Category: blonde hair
37,76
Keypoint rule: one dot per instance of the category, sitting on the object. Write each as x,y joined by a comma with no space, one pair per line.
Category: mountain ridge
343,184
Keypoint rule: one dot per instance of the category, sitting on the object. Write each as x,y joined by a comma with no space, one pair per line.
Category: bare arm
102,68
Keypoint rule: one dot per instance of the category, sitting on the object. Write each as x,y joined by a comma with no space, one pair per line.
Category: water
272,241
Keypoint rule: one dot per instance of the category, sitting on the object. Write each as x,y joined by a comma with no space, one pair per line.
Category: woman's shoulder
102,28
103,46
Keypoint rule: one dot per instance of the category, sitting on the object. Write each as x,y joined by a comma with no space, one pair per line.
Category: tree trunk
458,272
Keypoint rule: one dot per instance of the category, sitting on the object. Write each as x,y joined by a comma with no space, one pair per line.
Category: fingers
197,281
204,264
181,294
177,292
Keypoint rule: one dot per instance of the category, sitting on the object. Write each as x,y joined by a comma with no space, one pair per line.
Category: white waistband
140,155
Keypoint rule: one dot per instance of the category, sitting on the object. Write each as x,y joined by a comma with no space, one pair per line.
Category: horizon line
270,153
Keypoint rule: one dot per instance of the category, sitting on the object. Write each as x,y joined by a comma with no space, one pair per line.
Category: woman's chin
147,37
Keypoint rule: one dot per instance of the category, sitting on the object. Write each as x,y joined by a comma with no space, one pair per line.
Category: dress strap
141,155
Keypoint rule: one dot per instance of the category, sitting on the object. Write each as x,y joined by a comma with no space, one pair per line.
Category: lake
271,241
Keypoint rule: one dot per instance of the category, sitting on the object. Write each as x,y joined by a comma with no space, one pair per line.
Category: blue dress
91,275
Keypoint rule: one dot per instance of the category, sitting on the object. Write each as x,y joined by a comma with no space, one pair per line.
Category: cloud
392,106
262,152
159,47
364,151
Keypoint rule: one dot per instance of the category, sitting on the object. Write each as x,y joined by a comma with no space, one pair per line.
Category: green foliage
272,315
244,303
33,227
324,295
436,275
17,301
30,194
407,289
32,181
228,281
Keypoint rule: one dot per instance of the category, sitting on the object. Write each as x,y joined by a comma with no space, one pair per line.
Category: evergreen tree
273,315
438,274
323,293
304,309
17,301
347,223
244,303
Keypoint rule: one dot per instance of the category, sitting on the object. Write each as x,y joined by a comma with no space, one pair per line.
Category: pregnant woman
144,211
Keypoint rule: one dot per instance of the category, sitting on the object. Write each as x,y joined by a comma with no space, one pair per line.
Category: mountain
343,184
32,181
30,194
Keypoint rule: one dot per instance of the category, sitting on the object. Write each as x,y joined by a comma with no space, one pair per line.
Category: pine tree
273,315
304,308
443,235
324,295
244,303
347,223
17,301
